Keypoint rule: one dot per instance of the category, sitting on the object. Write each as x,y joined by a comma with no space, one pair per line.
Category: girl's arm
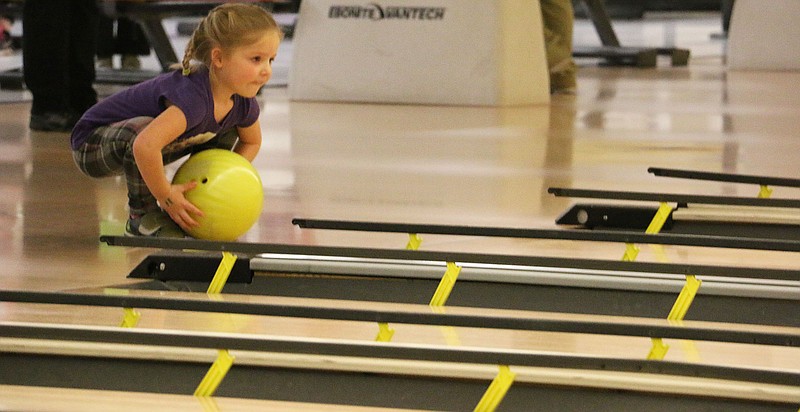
249,141
147,151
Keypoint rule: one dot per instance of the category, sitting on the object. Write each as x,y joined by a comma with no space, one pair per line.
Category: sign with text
450,52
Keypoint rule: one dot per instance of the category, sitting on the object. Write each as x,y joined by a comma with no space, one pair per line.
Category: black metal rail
717,333
559,234
401,254
673,198
388,351
724,177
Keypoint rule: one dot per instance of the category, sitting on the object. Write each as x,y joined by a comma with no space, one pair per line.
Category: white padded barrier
449,52
764,35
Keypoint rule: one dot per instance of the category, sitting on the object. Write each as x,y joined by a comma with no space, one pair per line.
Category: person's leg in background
558,19
58,60
131,43
83,44
105,42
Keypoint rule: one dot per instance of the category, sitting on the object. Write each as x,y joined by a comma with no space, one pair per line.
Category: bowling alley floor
451,165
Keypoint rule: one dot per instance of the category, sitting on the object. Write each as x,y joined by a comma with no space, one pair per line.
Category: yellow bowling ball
228,191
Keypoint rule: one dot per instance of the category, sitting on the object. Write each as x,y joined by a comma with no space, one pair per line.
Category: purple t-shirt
191,94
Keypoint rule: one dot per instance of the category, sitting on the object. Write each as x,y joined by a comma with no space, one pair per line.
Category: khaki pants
558,19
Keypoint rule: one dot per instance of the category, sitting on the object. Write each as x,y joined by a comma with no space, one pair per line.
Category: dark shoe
563,82
105,63
52,122
156,224
131,62
563,77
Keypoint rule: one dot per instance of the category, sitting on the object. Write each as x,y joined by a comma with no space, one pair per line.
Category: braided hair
227,26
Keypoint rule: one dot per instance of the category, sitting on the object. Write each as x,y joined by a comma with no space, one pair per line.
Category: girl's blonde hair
227,26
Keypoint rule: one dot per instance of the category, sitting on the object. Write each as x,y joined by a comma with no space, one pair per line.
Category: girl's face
245,69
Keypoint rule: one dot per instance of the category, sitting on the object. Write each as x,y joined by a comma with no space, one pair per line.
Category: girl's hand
179,208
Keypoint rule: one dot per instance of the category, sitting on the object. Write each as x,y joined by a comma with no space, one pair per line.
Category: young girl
210,103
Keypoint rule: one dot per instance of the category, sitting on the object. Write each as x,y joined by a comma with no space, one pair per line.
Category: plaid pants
109,152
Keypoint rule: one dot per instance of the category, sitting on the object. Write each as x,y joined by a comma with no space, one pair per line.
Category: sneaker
6,49
52,122
131,62
156,224
105,63
563,82
6,43
563,77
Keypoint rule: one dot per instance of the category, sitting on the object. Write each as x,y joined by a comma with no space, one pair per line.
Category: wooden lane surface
717,353
338,309
333,165
31,398
664,384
